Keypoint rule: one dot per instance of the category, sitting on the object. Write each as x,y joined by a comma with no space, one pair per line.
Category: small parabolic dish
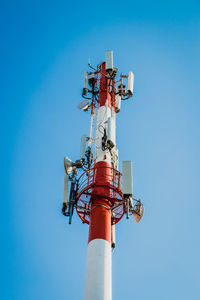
84,105
68,165
138,214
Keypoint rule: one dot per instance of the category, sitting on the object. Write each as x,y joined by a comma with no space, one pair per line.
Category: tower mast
98,271
96,192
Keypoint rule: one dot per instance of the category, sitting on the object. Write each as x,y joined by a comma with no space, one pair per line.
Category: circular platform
86,191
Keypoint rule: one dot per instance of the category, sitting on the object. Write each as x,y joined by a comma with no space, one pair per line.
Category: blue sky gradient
45,46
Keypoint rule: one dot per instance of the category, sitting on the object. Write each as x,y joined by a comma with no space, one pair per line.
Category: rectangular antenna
85,79
66,184
117,103
127,177
130,83
111,132
109,60
83,145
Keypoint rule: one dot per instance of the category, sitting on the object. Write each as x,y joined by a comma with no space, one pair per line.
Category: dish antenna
68,165
84,105
138,211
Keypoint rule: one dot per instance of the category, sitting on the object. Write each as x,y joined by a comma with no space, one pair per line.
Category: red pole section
100,216
99,257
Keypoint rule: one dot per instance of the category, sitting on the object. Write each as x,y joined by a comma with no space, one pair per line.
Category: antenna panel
83,145
111,132
85,83
66,187
117,103
127,178
85,79
115,158
109,60
130,83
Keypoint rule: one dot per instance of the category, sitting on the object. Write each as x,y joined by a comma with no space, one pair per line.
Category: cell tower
99,193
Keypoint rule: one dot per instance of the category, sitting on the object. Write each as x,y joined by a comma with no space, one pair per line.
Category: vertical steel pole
98,285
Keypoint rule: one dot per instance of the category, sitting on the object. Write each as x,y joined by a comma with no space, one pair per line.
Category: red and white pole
97,194
98,285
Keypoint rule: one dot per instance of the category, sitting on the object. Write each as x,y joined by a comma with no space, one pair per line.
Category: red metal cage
86,187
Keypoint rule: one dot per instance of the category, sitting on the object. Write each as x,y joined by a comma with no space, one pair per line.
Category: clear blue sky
45,46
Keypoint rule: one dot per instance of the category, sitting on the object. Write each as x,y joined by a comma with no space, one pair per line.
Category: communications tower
99,192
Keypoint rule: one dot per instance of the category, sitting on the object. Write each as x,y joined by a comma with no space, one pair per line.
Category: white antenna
130,83
127,177
109,60
68,165
66,186
85,79
83,145
117,103
84,82
111,132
